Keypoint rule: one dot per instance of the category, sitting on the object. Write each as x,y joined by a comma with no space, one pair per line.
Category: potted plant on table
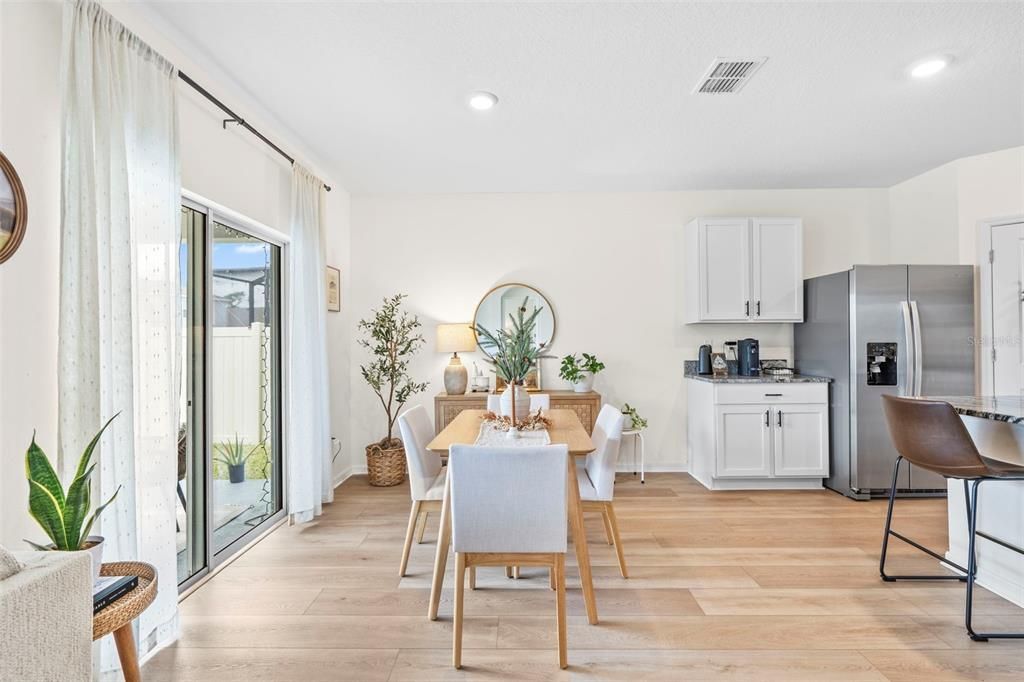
233,455
392,337
64,514
514,353
580,371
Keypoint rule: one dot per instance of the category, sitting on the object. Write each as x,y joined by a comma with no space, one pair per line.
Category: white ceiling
598,96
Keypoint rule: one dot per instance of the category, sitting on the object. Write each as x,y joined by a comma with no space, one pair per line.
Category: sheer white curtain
307,430
120,236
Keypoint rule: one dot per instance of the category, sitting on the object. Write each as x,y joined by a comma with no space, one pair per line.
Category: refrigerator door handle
909,382
918,349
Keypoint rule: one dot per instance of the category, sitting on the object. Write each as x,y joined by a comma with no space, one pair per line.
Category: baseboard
660,469
348,473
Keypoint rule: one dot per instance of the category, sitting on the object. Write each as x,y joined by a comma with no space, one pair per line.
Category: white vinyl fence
235,383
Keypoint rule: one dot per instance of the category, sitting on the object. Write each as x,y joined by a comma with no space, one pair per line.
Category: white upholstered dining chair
509,507
426,475
596,476
538,401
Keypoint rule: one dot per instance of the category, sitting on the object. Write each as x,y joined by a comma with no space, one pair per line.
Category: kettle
704,360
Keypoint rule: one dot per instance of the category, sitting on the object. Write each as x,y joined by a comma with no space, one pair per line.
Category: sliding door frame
215,213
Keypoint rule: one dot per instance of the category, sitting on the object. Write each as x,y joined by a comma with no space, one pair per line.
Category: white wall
230,167
934,216
609,263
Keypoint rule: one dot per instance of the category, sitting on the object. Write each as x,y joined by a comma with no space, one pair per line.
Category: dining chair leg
460,591
515,573
508,572
579,541
614,523
423,527
607,527
444,538
472,577
553,578
558,570
414,514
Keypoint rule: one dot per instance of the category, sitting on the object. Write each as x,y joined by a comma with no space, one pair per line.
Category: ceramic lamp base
456,378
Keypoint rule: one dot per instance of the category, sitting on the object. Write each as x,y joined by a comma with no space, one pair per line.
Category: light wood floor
726,585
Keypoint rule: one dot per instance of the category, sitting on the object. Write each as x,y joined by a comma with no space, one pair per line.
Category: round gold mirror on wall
13,210
493,310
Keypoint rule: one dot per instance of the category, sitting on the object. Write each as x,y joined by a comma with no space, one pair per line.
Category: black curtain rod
235,118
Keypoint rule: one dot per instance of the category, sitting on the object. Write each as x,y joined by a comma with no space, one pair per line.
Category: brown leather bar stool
930,434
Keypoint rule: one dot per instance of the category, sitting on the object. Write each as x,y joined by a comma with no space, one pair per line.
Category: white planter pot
522,402
584,384
96,554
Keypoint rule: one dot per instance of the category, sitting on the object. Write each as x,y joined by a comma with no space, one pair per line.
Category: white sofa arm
46,618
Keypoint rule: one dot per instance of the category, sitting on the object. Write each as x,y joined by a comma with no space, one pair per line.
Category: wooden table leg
444,539
579,540
125,640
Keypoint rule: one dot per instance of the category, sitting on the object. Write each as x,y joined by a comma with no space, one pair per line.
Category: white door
724,245
801,440
743,438
777,293
1007,313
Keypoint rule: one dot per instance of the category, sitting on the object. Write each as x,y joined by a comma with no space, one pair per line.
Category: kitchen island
997,426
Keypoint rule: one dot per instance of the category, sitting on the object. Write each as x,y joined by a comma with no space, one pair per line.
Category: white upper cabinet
744,270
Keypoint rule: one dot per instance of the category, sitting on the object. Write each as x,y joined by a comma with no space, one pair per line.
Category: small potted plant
233,455
636,422
64,514
580,371
513,352
392,337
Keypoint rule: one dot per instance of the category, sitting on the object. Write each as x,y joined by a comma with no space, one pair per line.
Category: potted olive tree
513,352
392,336
64,514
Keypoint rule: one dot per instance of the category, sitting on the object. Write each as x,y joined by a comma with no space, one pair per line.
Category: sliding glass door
230,458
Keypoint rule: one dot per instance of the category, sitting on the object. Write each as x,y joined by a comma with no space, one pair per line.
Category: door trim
983,301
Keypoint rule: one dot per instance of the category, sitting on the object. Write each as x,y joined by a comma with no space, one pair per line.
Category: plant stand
117,618
638,435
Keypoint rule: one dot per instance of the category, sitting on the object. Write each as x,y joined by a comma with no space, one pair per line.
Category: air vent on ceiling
728,75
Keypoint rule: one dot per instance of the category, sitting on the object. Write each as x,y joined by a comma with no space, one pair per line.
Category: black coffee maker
748,352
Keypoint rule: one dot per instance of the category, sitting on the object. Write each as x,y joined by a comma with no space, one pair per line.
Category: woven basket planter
385,465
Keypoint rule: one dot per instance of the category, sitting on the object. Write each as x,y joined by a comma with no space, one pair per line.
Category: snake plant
62,514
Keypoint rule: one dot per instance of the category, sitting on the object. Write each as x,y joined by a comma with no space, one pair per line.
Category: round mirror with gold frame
493,310
13,209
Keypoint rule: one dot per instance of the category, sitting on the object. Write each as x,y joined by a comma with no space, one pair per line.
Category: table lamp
451,338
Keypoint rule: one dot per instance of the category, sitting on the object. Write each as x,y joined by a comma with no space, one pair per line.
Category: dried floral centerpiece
535,421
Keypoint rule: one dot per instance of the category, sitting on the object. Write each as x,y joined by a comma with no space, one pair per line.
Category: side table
638,435
117,618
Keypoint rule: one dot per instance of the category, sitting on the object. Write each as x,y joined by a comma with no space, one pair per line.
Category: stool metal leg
972,568
889,531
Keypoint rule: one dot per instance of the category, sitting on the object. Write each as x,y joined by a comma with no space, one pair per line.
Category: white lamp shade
452,338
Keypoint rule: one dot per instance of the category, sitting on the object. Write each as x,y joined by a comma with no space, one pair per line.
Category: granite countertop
1009,408
690,372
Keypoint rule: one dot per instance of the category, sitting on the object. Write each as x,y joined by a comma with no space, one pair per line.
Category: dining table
564,428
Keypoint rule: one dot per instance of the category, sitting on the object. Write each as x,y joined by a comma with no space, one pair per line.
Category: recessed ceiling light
482,101
926,68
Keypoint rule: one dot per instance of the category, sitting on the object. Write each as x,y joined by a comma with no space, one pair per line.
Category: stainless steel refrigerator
885,329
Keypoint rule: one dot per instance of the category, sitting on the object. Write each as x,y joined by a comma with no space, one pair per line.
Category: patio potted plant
233,455
513,352
64,514
580,371
392,336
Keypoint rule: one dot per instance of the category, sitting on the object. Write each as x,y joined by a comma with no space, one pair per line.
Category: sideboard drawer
736,394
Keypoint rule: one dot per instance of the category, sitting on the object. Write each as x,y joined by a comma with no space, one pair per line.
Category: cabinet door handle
779,415
746,308
759,309
772,395
767,418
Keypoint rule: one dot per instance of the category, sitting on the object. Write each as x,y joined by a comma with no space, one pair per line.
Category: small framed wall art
333,290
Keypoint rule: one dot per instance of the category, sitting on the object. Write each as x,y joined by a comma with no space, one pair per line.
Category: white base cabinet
757,435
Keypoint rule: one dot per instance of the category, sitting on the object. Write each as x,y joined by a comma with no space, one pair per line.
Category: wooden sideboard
586,405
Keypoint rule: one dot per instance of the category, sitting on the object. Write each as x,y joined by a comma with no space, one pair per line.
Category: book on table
110,588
